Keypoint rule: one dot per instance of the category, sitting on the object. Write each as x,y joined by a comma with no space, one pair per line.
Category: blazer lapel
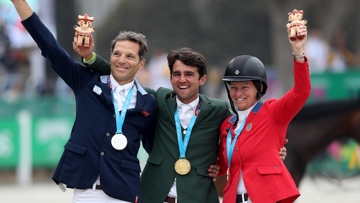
204,109
140,99
140,102
171,106
105,94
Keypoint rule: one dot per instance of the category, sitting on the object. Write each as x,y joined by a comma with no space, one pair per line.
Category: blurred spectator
19,54
143,76
159,73
15,89
4,46
212,87
340,57
317,51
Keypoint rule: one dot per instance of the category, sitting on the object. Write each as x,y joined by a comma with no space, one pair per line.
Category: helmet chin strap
231,103
258,95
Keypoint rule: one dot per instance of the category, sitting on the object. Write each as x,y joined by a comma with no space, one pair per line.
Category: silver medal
119,141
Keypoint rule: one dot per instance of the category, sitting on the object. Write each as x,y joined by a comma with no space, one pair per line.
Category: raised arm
288,105
23,9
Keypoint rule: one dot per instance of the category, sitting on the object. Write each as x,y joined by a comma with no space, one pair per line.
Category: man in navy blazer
113,113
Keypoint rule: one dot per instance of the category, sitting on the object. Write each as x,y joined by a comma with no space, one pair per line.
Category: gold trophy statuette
295,21
84,28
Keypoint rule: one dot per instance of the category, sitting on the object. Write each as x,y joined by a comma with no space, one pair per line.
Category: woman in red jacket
252,137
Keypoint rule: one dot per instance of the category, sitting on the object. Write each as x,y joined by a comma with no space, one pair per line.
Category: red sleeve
285,108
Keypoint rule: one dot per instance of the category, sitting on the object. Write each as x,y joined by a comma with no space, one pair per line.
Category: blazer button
107,134
102,153
236,149
114,115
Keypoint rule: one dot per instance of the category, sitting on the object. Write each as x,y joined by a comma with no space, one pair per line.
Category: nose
121,59
182,78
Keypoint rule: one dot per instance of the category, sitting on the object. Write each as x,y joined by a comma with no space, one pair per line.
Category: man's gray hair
134,37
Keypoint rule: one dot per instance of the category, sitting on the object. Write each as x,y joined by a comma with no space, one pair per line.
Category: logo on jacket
248,127
97,90
145,113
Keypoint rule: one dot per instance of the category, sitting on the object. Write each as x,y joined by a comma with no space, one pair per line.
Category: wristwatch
298,56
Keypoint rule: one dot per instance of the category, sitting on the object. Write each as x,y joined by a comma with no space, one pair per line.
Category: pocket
78,149
155,159
130,165
268,170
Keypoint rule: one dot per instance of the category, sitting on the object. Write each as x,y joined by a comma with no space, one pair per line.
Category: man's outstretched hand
85,52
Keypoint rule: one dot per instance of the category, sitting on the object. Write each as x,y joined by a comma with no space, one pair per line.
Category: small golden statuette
84,28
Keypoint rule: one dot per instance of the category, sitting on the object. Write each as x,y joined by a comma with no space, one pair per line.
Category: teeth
240,99
183,87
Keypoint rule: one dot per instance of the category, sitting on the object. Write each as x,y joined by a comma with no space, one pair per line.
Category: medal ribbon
184,143
120,119
231,144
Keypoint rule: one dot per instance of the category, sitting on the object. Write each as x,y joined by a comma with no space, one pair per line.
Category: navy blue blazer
88,152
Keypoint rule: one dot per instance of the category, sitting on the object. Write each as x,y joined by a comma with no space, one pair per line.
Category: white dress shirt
121,91
241,189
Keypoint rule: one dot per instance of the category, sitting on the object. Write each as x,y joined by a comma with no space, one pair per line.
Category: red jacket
256,151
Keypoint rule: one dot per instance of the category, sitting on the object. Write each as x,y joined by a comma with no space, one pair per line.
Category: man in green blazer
159,180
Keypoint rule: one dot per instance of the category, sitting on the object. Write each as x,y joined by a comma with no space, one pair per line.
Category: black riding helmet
245,68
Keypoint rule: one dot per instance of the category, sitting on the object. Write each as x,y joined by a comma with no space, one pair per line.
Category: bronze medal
182,166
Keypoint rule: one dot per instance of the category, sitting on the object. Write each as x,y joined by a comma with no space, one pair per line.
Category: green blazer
202,151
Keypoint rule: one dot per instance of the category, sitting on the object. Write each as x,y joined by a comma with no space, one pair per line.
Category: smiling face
186,81
125,61
243,94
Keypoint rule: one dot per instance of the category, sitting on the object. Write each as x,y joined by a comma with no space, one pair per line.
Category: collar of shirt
193,104
115,85
243,114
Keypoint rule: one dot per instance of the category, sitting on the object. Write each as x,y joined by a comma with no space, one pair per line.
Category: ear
142,64
202,80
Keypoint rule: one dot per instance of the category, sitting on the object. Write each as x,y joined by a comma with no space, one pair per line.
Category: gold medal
182,166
